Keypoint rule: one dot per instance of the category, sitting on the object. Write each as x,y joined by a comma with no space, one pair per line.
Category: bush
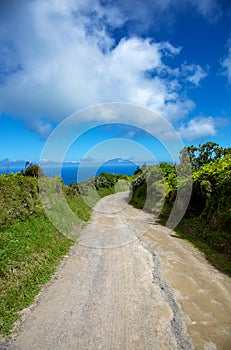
34,171
18,198
208,216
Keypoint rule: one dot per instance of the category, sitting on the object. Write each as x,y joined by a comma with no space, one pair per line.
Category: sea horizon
72,174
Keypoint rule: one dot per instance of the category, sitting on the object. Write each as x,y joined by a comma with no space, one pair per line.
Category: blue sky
172,57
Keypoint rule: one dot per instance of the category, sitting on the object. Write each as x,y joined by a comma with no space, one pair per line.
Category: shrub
34,171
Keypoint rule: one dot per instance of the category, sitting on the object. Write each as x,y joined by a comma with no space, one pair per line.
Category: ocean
72,174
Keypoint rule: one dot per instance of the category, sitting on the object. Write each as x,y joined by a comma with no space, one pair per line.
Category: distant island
76,170
7,163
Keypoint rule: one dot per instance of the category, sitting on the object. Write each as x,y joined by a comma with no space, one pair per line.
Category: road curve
129,284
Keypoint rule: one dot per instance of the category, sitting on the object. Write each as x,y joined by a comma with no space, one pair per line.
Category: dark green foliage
138,171
203,154
214,180
152,186
139,192
105,180
34,171
208,217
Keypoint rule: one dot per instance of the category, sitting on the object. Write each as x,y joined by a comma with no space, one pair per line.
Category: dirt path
130,285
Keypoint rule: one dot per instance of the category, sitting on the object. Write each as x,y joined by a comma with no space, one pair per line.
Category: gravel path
130,285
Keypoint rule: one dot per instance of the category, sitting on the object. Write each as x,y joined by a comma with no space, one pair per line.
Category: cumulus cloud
58,57
198,127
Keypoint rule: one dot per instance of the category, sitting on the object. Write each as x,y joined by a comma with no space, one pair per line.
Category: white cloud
208,8
60,57
198,127
226,63
144,14
40,126
193,73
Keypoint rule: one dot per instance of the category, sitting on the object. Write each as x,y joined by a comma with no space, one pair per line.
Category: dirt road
130,285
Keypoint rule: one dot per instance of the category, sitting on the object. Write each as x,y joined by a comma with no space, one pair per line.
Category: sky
170,57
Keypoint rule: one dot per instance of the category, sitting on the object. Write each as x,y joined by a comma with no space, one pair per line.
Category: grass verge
30,246
220,259
30,252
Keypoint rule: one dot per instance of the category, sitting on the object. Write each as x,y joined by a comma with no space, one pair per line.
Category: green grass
214,244
220,261
79,207
30,253
188,229
30,246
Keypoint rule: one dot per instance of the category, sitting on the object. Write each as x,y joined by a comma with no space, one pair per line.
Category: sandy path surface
131,285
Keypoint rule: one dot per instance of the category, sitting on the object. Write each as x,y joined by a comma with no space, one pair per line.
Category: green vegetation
103,185
18,198
107,184
33,170
30,253
30,246
207,220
